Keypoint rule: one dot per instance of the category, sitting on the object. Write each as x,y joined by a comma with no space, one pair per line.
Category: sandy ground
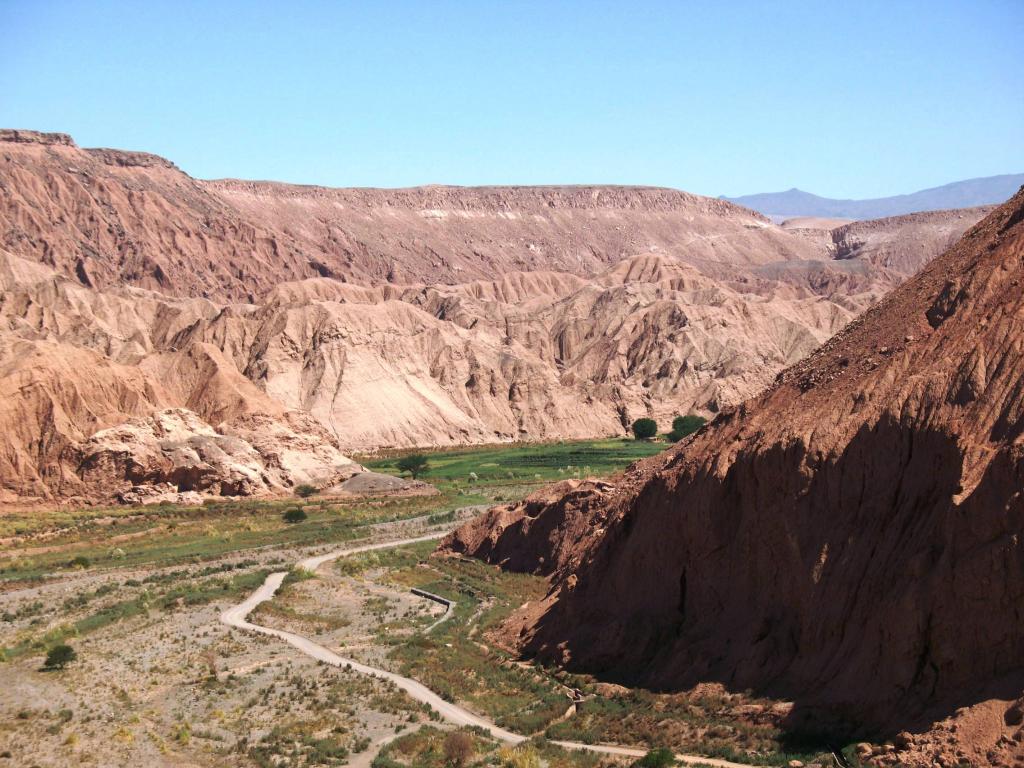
175,687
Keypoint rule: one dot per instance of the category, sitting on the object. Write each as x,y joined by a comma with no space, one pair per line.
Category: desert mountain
110,217
136,297
970,193
850,538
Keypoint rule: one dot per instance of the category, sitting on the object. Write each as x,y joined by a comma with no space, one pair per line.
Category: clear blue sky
845,99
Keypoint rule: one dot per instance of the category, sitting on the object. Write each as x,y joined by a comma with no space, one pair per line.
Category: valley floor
137,592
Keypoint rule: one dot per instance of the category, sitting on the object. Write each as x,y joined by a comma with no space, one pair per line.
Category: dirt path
236,617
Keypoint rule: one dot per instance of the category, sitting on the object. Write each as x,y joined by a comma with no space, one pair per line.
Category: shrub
415,464
523,756
294,515
458,748
660,757
81,561
59,657
305,490
685,425
645,429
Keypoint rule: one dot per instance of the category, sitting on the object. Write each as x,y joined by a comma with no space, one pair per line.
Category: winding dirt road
237,617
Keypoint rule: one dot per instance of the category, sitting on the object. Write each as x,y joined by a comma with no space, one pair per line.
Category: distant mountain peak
968,193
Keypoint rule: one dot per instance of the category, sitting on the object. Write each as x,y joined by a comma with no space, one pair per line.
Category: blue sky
845,99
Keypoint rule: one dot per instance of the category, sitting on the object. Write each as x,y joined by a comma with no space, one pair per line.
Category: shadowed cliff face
851,539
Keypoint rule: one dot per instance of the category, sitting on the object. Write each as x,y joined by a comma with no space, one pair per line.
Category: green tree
59,657
659,757
645,429
294,515
305,490
685,425
415,464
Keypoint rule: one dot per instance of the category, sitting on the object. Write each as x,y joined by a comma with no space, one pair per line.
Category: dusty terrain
281,328
161,680
849,538
168,684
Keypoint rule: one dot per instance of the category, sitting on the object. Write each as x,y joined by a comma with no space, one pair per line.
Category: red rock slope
110,217
851,539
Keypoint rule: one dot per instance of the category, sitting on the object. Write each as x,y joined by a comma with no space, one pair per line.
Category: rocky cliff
850,539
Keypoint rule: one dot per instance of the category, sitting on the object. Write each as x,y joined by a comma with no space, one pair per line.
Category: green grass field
167,534
526,463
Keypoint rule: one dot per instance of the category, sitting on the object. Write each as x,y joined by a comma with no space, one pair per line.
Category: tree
415,464
659,757
458,748
294,515
305,490
645,429
59,657
685,425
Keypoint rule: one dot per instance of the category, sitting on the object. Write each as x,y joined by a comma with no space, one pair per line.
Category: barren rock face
850,538
904,244
352,319
176,447
109,217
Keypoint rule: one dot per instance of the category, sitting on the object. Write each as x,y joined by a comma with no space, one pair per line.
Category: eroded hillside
355,319
850,538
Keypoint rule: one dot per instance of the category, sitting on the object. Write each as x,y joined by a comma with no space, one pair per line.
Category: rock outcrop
851,539
175,447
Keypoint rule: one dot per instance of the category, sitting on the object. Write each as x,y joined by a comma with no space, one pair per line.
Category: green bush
685,425
305,490
660,757
59,657
645,429
415,464
81,561
294,515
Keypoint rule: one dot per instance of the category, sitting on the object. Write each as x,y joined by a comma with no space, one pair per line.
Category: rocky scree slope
850,539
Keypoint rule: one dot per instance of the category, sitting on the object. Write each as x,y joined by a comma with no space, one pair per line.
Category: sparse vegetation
523,756
458,748
168,549
645,429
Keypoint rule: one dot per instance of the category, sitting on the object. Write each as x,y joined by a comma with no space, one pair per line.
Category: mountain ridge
968,193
